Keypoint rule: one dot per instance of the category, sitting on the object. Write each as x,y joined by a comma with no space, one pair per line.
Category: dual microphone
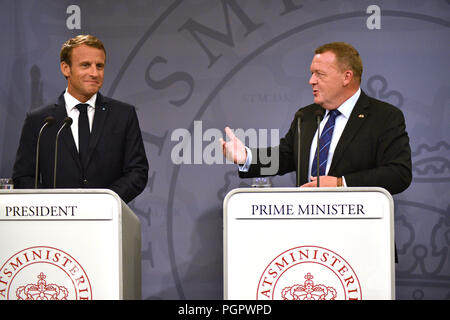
299,115
48,122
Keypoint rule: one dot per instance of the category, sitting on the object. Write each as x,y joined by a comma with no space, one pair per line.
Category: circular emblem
43,273
309,273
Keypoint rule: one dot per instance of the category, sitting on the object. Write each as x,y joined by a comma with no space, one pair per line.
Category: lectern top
59,204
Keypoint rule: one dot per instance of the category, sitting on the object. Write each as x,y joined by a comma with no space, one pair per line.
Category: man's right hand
234,150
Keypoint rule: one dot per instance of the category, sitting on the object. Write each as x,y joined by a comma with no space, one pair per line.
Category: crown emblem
309,291
41,291
430,162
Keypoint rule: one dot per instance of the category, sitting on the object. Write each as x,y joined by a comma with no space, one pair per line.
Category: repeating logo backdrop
244,64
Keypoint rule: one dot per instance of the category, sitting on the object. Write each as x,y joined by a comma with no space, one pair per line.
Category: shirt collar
347,107
71,102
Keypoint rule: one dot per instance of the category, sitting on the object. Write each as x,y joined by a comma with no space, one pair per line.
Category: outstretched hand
234,150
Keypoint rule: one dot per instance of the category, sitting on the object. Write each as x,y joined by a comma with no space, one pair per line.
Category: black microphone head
319,113
299,114
50,121
68,121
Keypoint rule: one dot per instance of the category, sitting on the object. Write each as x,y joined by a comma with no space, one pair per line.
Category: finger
230,133
311,184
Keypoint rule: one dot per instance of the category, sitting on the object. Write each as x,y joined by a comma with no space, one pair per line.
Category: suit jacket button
85,182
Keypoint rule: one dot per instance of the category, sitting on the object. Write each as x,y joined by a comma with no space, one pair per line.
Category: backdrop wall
244,64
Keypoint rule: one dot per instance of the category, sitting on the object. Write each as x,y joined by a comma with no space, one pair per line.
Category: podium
68,244
309,244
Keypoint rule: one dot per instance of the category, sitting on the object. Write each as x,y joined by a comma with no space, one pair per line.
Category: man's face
85,75
327,80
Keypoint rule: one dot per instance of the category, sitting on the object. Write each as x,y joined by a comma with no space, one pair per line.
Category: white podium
309,244
68,244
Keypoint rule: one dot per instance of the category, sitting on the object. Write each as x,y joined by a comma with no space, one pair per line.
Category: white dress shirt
74,113
345,109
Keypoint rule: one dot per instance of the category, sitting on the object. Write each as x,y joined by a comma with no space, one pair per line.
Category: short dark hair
346,55
67,47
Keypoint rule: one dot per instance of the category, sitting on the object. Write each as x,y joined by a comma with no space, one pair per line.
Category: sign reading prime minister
308,209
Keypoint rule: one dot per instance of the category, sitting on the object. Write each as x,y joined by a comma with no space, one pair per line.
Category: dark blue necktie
324,144
83,132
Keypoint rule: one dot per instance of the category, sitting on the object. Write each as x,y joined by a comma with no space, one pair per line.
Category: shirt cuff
246,166
344,184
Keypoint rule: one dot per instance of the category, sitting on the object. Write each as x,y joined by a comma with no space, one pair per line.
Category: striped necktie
324,144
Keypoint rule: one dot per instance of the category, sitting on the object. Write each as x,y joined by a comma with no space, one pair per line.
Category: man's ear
348,77
65,69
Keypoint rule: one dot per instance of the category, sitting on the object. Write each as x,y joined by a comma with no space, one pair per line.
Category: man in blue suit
103,148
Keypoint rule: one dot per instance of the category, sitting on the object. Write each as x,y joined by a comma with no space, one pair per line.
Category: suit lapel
66,134
101,112
357,118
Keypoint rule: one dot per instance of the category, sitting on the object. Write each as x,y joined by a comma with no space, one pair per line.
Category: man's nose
312,79
93,71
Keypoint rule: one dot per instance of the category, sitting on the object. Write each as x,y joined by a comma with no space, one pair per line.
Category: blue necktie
84,132
324,144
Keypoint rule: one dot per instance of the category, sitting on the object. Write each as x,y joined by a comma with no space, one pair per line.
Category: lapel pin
361,116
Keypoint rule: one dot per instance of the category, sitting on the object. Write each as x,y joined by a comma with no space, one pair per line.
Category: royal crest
334,276
309,291
42,291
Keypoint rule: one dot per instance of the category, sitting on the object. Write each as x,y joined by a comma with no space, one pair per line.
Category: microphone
48,122
319,116
67,122
298,116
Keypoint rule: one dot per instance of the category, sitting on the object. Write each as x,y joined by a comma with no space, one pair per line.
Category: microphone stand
48,122
319,118
299,116
67,122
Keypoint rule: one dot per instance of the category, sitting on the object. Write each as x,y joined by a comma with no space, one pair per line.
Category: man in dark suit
102,149
367,144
